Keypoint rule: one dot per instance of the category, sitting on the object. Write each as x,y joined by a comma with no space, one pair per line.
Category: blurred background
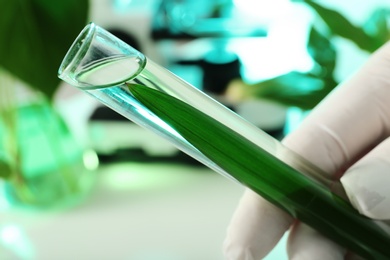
78,181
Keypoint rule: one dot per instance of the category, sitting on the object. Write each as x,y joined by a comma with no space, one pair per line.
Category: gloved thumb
367,183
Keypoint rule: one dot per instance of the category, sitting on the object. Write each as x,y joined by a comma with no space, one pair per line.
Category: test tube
128,82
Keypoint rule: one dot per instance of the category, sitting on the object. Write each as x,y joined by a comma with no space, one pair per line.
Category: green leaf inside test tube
276,181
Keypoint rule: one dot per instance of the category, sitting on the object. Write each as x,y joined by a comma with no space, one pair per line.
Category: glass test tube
128,82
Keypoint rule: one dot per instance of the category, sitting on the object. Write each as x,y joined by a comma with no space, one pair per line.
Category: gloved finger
256,227
367,183
306,243
343,128
350,121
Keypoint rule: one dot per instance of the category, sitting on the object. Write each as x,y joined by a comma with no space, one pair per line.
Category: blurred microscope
196,40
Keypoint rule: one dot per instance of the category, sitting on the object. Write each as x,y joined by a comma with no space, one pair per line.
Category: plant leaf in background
377,26
303,90
341,26
35,35
323,53
370,36
306,90
5,169
292,89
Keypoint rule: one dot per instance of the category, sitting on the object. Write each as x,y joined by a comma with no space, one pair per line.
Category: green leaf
323,53
376,26
293,89
246,162
5,169
303,90
268,176
35,35
341,26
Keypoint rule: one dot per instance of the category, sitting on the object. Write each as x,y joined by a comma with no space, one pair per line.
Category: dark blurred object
35,35
219,68
188,19
126,37
217,22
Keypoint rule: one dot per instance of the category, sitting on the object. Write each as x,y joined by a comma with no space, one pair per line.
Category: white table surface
136,211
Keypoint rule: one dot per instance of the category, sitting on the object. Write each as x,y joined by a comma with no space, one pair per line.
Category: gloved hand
346,136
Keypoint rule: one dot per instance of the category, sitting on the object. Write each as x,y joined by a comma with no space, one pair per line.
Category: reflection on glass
15,242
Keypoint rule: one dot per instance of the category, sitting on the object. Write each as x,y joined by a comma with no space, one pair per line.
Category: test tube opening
78,49
98,59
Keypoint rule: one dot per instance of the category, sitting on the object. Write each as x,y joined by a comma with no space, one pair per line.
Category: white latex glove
346,136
